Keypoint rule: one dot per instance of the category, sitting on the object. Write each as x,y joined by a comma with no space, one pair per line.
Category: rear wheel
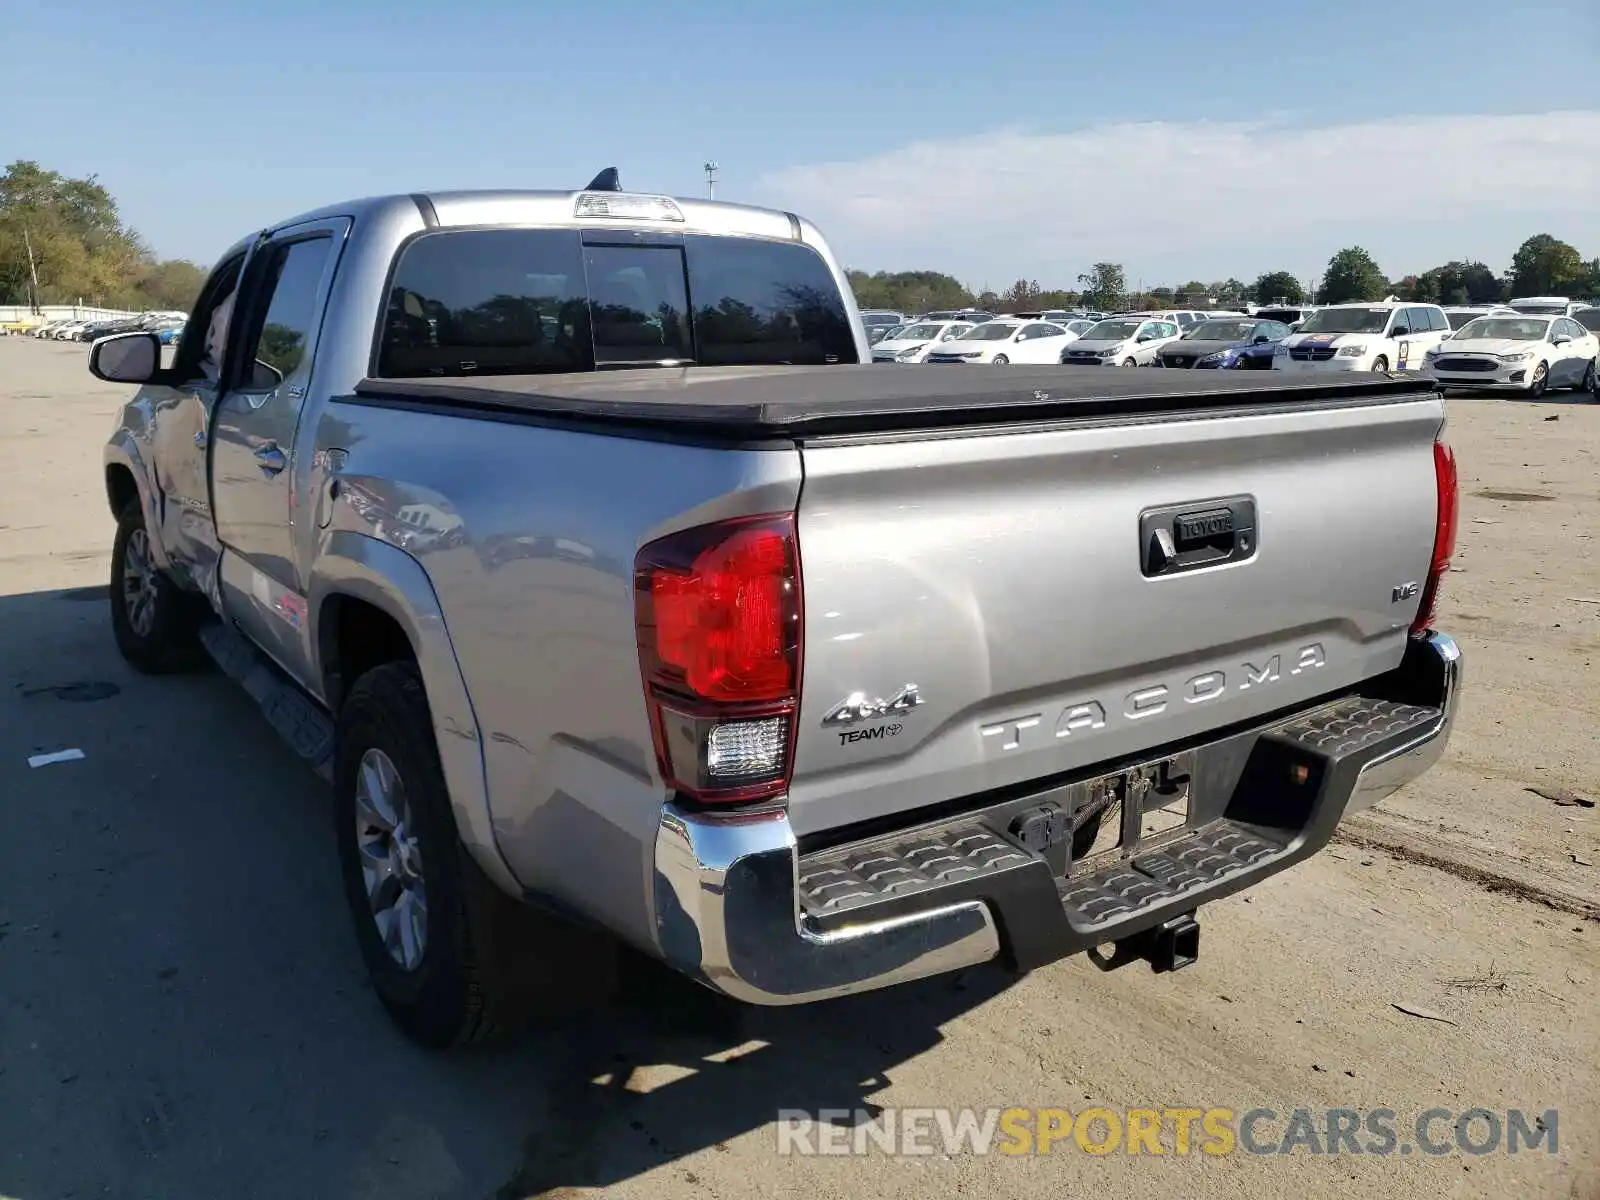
156,623
1540,381
452,957
1380,363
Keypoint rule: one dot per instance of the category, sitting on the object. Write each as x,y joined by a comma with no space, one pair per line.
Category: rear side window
761,303
488,302
534,301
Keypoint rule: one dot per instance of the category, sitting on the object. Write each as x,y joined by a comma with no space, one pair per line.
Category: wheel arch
370,602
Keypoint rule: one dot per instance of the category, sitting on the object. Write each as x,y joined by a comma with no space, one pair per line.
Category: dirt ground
182,1012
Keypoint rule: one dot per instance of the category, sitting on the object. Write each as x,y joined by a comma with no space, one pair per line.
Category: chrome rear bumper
732,911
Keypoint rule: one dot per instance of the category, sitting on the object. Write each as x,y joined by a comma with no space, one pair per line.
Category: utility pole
711,169
33,270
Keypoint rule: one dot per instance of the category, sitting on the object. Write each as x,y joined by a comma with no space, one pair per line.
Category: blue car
1226,344
169,335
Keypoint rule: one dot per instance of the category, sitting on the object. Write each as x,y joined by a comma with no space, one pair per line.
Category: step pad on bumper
1353,725
854,876
1288,788
1190,864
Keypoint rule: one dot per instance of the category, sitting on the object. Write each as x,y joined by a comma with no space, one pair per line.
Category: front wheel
1000,360
1589,383
1129,362
452,957
1540,381
1380,363
156,623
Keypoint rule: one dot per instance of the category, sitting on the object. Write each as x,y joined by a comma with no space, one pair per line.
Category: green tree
1353,275
908,291
1278,286
1229,291
80,248
1543,266
1021,296
1192,293
1104,285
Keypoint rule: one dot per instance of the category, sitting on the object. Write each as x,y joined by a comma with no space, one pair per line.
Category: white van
1379,335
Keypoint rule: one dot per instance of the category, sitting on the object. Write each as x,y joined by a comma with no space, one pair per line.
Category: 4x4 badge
858,706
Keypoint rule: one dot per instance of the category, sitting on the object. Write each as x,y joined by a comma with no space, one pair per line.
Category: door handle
271,459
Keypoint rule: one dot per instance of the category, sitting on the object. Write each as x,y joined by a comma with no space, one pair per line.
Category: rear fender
364,568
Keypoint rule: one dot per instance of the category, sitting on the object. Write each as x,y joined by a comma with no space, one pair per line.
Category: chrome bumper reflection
727,914
1434,663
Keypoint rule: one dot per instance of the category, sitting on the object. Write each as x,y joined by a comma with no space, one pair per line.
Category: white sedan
1001,342
1122,342
913,343
1525,354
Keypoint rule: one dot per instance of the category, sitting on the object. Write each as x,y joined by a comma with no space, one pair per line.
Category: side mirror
1400,331
125,358
1262,340
1445,337
1561,339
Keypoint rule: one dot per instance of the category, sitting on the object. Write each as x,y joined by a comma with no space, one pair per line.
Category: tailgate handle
1206,533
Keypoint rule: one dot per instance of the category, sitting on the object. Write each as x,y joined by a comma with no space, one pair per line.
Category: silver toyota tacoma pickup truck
574,539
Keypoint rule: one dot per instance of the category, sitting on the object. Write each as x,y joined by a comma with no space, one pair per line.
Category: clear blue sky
207,122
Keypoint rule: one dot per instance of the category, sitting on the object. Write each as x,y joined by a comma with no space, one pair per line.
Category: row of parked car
167,326
1529,344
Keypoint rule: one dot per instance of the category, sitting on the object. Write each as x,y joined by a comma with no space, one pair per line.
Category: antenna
607,181
711,170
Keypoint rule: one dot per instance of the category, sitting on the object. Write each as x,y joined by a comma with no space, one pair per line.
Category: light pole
711,169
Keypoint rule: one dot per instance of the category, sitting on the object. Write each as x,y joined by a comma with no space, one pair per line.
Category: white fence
59,312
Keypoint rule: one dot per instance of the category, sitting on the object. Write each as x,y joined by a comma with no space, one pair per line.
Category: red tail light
1444,535
717,613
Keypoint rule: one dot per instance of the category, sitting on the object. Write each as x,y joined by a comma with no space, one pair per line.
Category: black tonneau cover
758,402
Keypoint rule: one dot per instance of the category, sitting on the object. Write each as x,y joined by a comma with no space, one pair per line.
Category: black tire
488,962
1540,381
1380,363
1129,362
1000,360
157,632
1589,382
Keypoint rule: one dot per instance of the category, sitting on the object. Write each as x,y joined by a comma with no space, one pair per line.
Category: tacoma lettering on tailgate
1086,716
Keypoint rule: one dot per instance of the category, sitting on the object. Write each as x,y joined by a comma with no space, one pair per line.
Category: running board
298,720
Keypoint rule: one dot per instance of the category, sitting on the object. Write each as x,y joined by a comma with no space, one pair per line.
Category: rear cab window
534,301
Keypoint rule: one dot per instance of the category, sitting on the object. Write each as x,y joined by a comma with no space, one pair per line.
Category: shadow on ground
185,1013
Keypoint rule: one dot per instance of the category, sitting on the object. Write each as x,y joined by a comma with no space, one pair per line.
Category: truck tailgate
1021,584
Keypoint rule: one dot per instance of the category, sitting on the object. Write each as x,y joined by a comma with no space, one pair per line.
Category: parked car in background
1546,306
879,321
1224,343
1386,335
1121,342
1002,342
1459,315
913,343
973,316
1183,318
1528,354
1589,318
1291,315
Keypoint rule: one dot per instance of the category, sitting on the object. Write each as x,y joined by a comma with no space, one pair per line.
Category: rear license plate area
1088,825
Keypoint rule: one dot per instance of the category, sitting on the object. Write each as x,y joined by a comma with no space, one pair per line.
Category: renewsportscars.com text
1379,1132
